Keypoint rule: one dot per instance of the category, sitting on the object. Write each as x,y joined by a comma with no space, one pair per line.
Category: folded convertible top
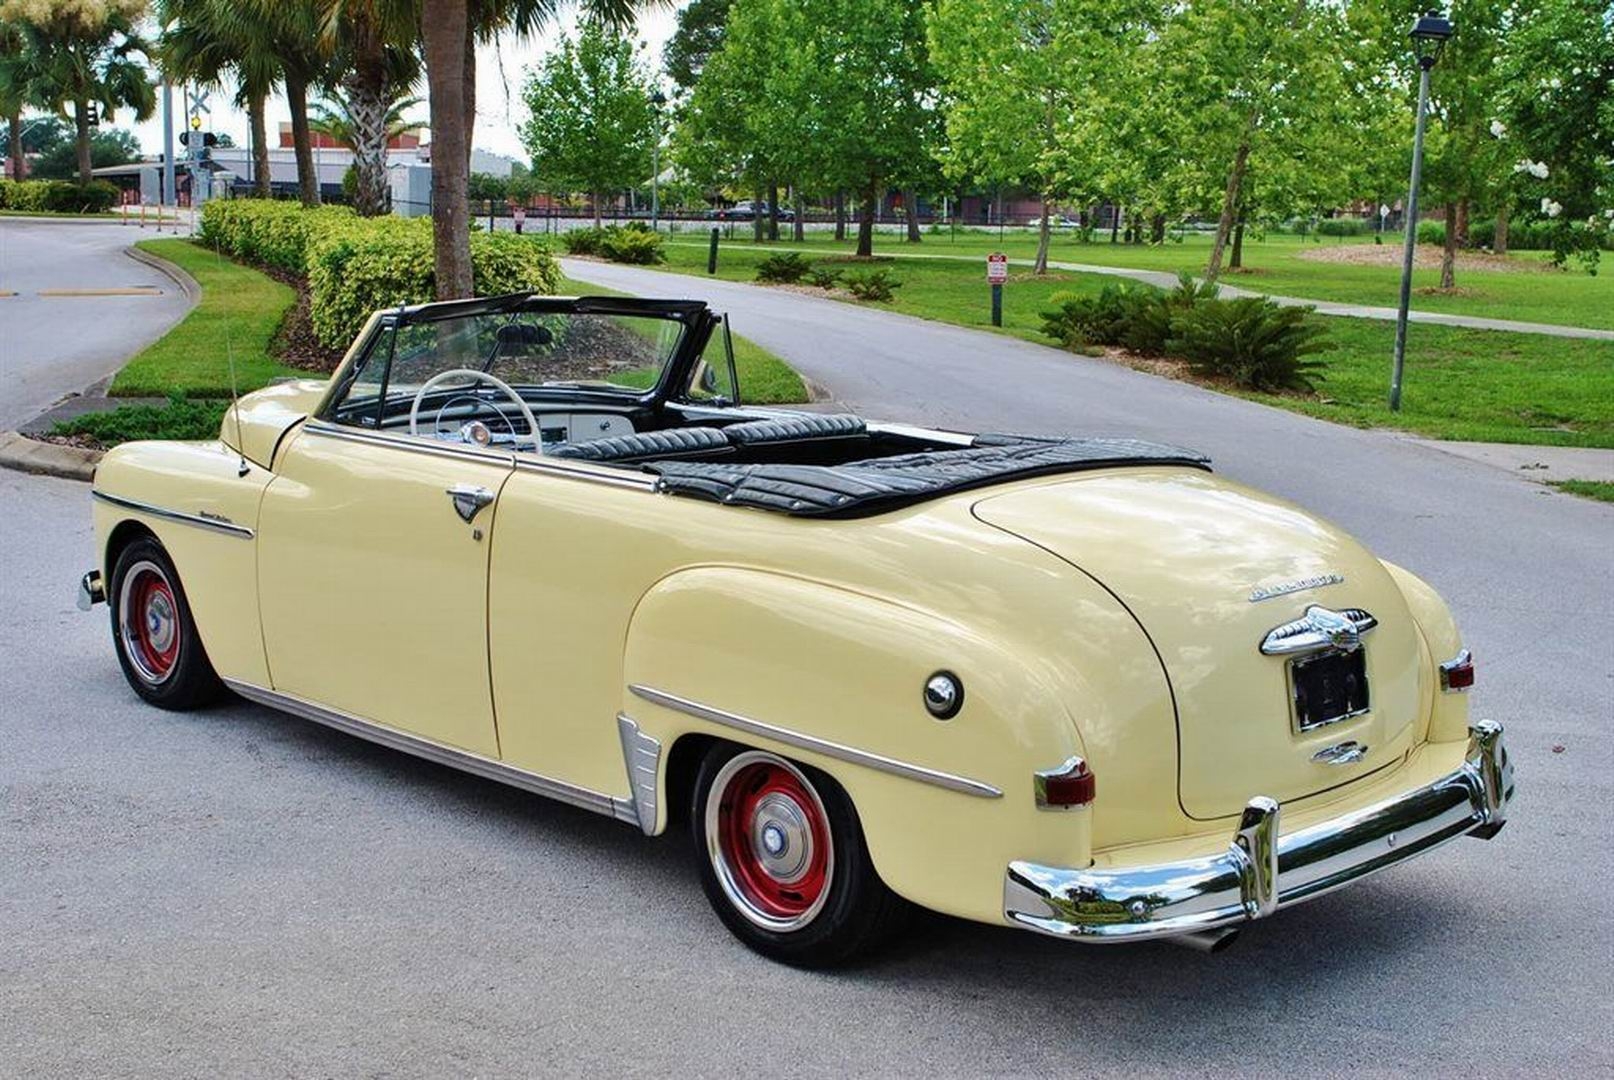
878,484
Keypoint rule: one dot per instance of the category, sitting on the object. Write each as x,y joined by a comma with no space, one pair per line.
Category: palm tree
17,72
373,44
205,41
333,118
88,57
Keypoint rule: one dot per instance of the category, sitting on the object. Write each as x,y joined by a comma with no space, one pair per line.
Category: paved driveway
238,892
51,346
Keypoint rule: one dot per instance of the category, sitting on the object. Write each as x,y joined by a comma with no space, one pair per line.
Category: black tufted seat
693,442
796,427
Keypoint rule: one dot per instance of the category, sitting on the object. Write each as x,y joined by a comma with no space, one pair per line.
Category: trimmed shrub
37,196
1252,341
632,244
375,263
785,268
1343,226
583,241
875,285
823,277
269,232
1431,232
96,197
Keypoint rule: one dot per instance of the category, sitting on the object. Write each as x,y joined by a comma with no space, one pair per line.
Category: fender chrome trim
218,524
641,754
849,754
1260,870
464,760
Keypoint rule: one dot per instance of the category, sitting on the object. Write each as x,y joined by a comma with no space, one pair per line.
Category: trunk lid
1210,569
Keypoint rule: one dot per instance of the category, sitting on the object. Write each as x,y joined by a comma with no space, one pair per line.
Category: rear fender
1448,712
830,670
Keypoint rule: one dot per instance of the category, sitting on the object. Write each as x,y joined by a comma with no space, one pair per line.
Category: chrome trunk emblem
1284,588
1319,628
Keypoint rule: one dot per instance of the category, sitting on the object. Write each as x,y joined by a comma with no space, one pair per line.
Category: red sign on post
997,268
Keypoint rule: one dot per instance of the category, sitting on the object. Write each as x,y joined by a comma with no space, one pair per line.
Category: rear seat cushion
669,443
795,427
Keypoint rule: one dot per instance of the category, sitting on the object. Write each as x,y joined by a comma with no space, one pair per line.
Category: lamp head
1429,36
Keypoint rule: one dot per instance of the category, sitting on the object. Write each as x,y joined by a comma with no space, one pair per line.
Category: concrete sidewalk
1543,464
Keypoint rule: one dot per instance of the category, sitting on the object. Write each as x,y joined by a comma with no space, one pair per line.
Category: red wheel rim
770,840
150,616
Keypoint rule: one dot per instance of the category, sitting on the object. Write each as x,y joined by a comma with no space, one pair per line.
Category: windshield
615,353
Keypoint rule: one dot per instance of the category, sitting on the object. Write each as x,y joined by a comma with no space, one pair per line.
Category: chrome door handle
469,499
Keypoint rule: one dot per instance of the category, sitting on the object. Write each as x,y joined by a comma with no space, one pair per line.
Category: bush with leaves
181,418
1094,320
268,232
1252,341
876,285
785,268
58,196
25,195
823,277
582,241
1147,325
632,244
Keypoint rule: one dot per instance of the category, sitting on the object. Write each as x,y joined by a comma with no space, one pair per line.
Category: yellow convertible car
1079,686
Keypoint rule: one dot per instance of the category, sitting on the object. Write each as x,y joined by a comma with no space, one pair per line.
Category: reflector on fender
1071,785
1458,672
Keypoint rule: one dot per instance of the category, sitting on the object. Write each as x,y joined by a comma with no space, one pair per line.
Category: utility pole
167,196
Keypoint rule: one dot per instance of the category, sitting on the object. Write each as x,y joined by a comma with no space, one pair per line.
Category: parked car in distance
1080,686
747,210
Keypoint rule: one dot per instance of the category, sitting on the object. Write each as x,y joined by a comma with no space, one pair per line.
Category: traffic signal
92,114
202,139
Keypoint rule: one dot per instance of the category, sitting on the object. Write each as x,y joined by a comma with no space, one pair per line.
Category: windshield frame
697,320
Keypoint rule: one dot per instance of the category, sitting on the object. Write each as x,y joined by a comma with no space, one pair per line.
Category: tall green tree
590,124
90,59
702,26
373,46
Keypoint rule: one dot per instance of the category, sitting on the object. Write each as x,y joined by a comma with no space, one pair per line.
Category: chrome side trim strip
816,745
525,464
201,521
642,755
464,760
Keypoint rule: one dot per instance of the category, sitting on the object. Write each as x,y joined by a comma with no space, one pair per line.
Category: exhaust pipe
1210,941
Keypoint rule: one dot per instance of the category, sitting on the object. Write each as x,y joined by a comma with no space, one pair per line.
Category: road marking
135,290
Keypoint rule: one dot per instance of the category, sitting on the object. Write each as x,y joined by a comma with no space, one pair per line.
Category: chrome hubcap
148,622
769,840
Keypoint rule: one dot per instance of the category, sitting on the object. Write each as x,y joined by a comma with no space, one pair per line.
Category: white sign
997,268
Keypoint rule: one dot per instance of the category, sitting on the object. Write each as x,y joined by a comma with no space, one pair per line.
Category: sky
499,71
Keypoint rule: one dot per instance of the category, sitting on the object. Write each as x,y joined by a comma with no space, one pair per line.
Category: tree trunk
865,222
1462,221
759,224
260,146
1157,229
1448,250
840,214
1499,241
773,212
1236,261
1230,198
367,100
1115,222
14,126
798,204
81,125
910,202
468,92
1044,232
445,35
997,206
594,197
301,141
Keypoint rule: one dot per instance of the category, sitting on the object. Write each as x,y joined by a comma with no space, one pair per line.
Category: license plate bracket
1328,687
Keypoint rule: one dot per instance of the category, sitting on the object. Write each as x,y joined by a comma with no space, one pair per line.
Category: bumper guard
1262,871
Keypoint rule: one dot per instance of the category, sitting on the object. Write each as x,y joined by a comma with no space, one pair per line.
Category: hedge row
58,196
355,265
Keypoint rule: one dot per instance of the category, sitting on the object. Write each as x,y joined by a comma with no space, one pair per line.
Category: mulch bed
295,344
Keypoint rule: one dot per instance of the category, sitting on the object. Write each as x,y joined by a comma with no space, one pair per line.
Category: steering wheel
482,376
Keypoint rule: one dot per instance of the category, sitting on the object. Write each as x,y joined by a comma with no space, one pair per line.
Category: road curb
27,455
186,283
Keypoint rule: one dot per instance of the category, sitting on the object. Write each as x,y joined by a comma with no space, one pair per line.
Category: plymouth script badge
1267,592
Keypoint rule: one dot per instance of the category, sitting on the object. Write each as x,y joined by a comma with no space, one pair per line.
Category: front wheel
783,861
154,633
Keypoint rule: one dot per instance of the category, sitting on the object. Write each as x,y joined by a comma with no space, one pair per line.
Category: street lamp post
657,100
1429,35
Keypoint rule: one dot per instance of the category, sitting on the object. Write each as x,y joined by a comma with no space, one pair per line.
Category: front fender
846,671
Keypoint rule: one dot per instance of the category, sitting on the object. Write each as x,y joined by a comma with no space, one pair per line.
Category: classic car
1081,686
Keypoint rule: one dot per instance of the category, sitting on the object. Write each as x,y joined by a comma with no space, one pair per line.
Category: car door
373,584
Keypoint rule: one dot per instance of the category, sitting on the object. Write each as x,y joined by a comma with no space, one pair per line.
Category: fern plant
823,277
876,285
1252,341
785,268
1148,326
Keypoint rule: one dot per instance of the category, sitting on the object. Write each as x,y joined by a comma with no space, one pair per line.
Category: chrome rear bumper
90,590
1262,871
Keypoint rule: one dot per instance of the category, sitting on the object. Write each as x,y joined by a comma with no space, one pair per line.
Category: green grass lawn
238,314
1274,265
1479,385
765,379
1601,490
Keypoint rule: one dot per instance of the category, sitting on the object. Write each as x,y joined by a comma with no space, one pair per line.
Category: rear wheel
154,633
783,861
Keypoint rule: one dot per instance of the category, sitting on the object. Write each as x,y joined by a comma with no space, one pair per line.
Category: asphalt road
51,346
239,892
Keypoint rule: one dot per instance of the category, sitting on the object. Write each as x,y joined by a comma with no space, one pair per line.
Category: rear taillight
1458,672
1066,787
